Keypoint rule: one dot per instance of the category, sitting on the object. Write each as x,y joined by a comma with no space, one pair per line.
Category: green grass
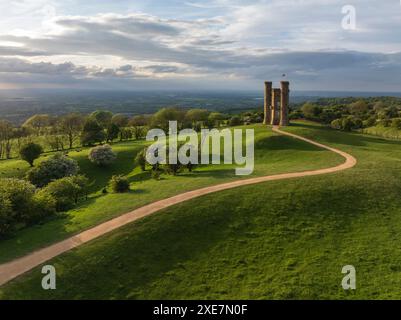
274,154
282,239
385,132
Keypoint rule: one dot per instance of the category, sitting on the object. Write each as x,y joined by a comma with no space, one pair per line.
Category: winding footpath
17,267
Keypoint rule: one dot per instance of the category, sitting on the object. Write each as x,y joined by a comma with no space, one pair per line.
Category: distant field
17,106
283,239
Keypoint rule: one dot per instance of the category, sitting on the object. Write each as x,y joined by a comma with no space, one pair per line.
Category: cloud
246,42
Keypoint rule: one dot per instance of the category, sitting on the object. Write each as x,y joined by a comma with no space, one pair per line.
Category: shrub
44,205
30,152
396,123
156,174
384,122
6,215
140,159
20,205
56,167
119,184
19,193
347,124
66,191
102,155
370,122
336,124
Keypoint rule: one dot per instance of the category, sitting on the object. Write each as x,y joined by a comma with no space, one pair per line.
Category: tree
119,184
197,116
347,124
310,111
20,135
102,155
56,142
121,121
30,152
161,118
102,117
92,133
138,124
56,167
71,125
6,136
359,107
38,122
235,121
216,118
112,132
378,106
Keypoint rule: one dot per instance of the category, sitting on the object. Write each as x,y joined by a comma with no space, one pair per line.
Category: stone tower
276,104
268,101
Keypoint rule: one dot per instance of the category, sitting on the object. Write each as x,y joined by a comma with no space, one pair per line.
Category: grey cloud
162,69
134,24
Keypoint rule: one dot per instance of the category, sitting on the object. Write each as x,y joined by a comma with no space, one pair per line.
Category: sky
200,45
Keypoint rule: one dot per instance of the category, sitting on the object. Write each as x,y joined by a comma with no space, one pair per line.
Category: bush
66,191
346,124
102,155
20,205
336,124
44,205
30,152
119,184
370,122
19,193
396,123
384,122
6,215
235,121
56,167
140,159
156,174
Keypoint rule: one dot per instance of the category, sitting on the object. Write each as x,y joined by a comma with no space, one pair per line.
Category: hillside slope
281,239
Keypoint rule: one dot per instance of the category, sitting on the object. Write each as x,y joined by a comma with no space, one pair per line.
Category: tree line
352,114
74,130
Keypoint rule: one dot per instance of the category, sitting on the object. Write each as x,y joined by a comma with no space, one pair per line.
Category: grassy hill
282,239
273,154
